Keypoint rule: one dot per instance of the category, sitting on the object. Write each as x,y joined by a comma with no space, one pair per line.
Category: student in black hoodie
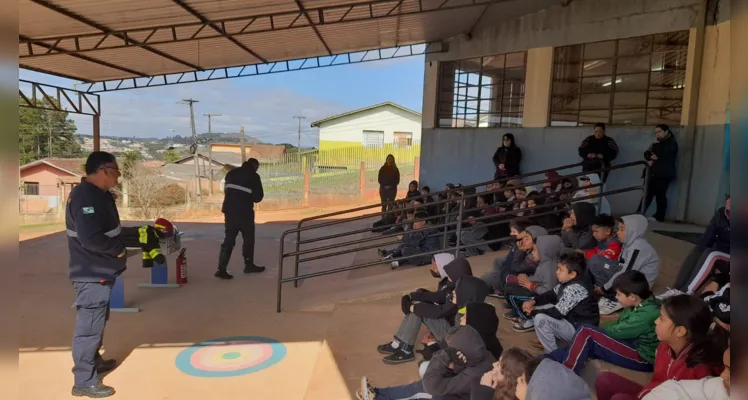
598,151
436,310
576,232
507,158
661,156
389,178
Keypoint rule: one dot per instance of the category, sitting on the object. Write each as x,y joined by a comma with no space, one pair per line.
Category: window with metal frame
403,139
373,139
31,188
483,92
633,81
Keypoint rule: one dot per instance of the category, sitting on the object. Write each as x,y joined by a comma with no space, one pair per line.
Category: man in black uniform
598,151
97,257
242,190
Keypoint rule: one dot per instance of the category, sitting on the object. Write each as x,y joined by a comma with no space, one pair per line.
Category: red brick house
46,183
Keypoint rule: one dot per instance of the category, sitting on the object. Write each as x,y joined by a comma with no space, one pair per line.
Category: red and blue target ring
230,357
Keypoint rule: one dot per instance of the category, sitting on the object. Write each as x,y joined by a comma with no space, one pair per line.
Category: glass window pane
514,60
515,74
628,65
568,54
470,65
595,101
630,100
511,119
597,67
632,82
668,80
670,116
489,92
629,117
588,117
563,103
600,50
634,46
669,60
561,87
493,63
600,84
671,41
665,98
564,119
514,89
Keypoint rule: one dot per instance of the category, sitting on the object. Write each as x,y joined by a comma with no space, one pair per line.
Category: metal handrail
458,224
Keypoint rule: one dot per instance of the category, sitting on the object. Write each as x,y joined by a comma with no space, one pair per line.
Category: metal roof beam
316,31
331,15
108,31
86,58
217,28
268,68
64,99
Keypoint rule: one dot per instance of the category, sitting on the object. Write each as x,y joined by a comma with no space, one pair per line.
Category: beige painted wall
714,92
538,87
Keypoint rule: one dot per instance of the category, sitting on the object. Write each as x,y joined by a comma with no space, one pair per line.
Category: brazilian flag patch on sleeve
87,210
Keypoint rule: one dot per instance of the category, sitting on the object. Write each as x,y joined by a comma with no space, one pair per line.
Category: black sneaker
223,275
98,391
399,357
497,294
253,269
382,253
386,349
104,366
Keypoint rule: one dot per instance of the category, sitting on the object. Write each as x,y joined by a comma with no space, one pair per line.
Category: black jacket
667,155
511,158
242,190
580,237
573,300
605,146
94,235
717,234
439,304
389,177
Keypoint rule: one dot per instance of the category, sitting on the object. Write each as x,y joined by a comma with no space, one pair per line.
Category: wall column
538,87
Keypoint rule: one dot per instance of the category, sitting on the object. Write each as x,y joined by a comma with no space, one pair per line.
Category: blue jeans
408,392
592,342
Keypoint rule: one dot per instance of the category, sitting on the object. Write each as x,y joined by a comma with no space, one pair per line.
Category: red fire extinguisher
182,267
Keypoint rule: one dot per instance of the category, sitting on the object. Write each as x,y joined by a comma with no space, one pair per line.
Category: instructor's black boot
250,267
223,262
98,391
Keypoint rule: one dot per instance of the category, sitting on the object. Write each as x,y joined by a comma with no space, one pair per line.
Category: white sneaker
365,392
669,293
608,306
394,264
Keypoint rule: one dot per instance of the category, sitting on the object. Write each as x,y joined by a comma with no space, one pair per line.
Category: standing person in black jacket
97,258
242,190
661,157
507,158
598,151
389,178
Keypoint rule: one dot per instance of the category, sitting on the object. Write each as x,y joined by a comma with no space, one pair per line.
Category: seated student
636,255
585,191
546,379
436,312
451,374
608,245
500,383
711,388
629,342
687,350
545,251
719,302
415,243
482,317
535,204
571,304
511,264
710,256
575,232
475,231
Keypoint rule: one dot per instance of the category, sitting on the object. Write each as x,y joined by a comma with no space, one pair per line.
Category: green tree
170,156
128,164
38,128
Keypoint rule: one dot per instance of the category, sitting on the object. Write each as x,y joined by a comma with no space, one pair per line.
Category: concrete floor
329,327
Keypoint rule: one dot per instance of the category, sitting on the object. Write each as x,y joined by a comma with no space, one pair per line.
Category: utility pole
210,147
299,118
190,102
209,120
241,145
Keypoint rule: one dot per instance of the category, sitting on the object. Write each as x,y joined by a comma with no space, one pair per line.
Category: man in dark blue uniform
242,190
97,257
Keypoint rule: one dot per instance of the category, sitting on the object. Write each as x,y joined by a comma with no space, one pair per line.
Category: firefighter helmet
164,226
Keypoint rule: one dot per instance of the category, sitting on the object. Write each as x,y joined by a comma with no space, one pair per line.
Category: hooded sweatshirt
711,388
573,301
544,278
580,236
584,192
637,254
439,304
670,366
605,146
552,380
509,156
413,193
441,260
526,265
637,324
482,317
440,380
717,234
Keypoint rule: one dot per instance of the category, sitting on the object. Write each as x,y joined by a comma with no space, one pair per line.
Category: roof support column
96,132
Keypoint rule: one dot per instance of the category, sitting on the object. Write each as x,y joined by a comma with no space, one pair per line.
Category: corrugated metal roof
117,39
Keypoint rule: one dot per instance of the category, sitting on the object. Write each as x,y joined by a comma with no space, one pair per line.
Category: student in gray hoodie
451,374
546,379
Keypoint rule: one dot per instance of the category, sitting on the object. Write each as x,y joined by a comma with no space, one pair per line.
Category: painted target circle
231,356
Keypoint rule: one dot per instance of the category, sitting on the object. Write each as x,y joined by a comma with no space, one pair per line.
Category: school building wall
463,155
348,131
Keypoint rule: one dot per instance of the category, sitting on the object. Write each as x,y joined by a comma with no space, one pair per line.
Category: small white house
373,126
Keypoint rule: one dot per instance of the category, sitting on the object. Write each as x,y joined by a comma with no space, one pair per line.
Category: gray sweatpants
495,278
408,331
603,270
549,329
92,302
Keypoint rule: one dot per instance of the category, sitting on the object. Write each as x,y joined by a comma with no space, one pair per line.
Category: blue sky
265,105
